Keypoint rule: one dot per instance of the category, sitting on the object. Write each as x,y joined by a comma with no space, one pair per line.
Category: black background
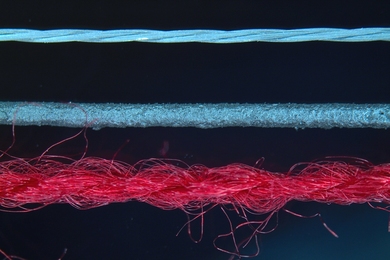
313,72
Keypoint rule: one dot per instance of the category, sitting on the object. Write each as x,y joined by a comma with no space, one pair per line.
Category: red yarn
92,182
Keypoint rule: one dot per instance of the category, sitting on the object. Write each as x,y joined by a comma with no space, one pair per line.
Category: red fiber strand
30,184
92,182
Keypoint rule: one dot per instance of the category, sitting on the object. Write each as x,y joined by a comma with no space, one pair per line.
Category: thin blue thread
204,36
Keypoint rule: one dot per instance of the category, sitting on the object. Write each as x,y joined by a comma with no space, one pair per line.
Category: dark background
313,72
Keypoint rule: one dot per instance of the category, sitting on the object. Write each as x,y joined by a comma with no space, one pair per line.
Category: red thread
92,182
30,184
